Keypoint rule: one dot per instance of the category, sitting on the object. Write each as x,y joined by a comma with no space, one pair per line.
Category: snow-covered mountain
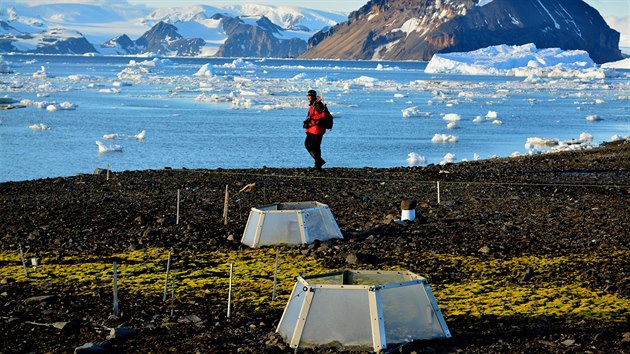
412,29
243,30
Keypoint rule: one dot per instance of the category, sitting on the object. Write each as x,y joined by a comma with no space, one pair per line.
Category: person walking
314,128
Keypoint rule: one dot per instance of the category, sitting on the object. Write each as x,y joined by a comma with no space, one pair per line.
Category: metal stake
230,293
115,290
177,218
275,277
23,262
168,268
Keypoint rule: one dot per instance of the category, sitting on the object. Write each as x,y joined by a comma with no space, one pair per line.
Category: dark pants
313,146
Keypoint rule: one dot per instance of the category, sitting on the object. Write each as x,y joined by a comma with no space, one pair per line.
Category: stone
352,259
89,348
66,326
406,204
120,332
189,319
528,275
484,249
568,342
42,298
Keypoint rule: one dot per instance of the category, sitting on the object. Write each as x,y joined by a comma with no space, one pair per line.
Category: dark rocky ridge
459,25
548,205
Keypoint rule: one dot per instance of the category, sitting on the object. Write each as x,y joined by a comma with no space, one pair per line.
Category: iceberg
525,60
621,64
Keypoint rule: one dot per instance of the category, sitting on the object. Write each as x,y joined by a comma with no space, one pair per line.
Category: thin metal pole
275,277
107,178
172,296
225,206
115,290
23,262
230,293
177,218
438,191
168,268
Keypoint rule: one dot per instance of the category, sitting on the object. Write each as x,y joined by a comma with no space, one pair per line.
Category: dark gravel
556,204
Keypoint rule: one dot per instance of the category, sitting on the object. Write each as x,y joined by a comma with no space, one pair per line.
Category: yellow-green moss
486,288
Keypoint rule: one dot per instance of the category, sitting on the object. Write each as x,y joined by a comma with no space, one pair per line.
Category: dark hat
312,93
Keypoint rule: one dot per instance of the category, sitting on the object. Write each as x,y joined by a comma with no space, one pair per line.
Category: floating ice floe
497,122
238,64
109,90
212,98
621,64
536,142
411,112
448,158
593,118
102,148
39,126
525,60
134,74
399,95
114,136
205,71
452,117
478,119
41,73
586,137
491,115
415,159
155,62
444,138
452,125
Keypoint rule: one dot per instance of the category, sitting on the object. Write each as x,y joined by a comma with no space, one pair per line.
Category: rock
6,281
568,342
352,259
388,219
484,249
89,348
42,298
189,319
230,237
528,275
626,337
120,332
611,288
99,171
66,326
407,204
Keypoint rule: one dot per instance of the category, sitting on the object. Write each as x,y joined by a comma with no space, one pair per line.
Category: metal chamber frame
361,310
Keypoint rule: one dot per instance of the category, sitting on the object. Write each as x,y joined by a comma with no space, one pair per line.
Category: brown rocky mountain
417,29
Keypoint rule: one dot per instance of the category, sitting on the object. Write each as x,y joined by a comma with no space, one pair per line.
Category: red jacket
314,116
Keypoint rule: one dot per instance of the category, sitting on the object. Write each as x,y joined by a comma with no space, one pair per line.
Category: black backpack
328,121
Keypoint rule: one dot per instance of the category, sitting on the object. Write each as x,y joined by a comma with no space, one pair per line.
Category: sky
615,12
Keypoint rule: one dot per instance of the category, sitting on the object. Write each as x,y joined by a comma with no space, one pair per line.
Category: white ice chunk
415,159
39,126
444,138
111,148
593,118
452,117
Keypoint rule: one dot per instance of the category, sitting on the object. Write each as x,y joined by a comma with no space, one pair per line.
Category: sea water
248,113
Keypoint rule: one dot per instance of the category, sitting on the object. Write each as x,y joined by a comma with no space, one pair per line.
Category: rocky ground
564,204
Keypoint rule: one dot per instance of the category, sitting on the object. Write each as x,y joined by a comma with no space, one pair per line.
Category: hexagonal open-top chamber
290,223
361,310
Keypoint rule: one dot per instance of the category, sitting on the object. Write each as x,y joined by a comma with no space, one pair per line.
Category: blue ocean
151,113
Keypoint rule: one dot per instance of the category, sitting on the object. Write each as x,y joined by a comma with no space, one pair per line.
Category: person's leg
319,162
313,146
310,145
